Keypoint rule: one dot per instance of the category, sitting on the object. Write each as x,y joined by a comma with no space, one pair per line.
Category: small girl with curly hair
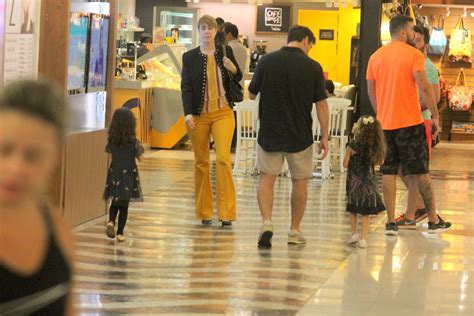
123,181
366,150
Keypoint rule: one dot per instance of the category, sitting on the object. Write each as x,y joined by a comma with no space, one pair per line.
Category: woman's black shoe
206,222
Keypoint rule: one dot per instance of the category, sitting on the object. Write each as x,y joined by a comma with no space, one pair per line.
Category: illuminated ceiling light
329,3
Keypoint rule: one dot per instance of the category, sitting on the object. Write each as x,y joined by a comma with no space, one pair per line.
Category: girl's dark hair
38,98
122,128
369,135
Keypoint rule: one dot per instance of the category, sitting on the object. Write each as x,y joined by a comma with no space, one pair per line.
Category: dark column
371,15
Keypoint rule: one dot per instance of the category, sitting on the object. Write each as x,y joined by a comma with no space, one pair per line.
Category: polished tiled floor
170,264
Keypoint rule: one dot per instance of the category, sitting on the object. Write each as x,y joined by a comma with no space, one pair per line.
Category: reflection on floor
170,264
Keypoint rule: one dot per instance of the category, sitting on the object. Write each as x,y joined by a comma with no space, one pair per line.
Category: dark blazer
194,75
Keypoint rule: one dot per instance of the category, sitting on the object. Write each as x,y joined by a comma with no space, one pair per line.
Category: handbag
460,96
438,40
236,92
460,43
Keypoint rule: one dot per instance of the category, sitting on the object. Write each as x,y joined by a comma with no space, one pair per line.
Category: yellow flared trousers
220,124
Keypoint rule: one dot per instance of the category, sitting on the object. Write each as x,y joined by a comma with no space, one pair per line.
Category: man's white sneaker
362,243
296,238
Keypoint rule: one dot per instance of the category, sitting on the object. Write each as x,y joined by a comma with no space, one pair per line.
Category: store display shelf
131,29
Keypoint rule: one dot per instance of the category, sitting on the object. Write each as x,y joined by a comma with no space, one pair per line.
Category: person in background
329,88
208,111
400,67
220,23
240,52
366,150
289,82
145,44
123,182
416,210
232,37
36,246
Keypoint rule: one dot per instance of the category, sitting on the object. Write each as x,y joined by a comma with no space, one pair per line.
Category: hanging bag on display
460,43
410,11
460,96
438,40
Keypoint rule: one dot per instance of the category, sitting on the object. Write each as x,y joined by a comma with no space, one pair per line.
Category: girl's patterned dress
123,181
362,191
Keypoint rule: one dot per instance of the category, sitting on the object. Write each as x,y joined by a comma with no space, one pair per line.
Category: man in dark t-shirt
289,82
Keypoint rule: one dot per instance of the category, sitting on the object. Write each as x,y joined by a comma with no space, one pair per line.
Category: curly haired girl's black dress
363,196
123,180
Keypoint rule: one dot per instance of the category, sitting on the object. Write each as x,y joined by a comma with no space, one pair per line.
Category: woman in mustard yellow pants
208,110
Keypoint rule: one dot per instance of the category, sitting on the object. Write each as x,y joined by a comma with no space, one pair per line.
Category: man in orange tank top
394,74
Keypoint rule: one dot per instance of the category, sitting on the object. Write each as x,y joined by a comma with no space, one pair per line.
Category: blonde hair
368,133
207,20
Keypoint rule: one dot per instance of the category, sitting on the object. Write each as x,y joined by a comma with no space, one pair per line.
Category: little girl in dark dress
123,181
364,151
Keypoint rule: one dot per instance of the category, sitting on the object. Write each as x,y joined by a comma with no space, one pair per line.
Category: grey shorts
300,163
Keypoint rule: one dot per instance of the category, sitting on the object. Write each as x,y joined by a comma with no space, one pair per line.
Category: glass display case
179,24
162,67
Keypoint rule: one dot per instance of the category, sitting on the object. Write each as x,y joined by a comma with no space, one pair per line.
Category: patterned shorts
406,148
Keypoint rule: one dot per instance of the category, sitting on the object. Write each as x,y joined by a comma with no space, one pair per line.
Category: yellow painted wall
334,56
323,51
348,19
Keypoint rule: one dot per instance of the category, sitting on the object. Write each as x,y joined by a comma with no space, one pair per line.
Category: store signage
21,39
273,19
326,35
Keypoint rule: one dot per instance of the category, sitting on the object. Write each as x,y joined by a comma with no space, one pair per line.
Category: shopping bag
438,40
460,43
460,96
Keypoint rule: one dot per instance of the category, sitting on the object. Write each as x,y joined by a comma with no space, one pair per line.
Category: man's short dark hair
146,38
423,31
297,33
329,86
232,29
398,23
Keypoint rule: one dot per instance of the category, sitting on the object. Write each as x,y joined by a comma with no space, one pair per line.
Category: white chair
338,108
247,135
321,166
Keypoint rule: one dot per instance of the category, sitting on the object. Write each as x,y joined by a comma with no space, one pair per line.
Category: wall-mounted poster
98,53
158,36
273,19
21,39
78,31
326,35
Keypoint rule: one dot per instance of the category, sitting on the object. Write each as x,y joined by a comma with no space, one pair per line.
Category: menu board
78,32
21,39
98,53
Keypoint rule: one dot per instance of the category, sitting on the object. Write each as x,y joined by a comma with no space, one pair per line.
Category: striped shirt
214,98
